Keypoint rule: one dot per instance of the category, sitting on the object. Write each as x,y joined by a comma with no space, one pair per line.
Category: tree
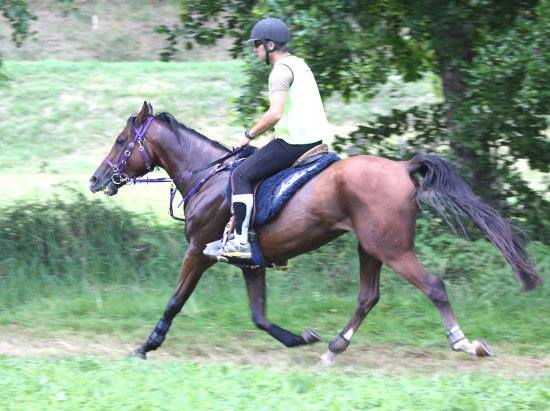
18,16
491,56
17,13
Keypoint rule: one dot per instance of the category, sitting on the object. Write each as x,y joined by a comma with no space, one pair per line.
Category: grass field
84,279
90,383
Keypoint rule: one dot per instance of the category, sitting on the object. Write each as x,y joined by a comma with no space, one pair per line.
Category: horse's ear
150,109
143,114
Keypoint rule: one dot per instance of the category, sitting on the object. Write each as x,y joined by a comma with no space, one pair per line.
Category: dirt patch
390,359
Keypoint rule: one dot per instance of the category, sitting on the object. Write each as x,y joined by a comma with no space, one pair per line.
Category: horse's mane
175,126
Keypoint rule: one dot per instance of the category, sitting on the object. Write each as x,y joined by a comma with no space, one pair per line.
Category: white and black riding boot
238,246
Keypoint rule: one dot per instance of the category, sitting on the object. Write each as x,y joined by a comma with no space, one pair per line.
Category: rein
218,161
174,190
120,177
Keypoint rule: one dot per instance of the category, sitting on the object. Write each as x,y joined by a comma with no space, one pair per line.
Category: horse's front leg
194,264
255,286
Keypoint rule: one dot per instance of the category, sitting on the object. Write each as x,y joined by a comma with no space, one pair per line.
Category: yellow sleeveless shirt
304,120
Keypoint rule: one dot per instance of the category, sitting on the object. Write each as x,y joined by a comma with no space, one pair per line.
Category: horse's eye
120,140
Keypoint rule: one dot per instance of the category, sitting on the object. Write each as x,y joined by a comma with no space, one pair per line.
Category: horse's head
128,158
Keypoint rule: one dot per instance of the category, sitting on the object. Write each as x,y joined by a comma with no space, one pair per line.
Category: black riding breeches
266,161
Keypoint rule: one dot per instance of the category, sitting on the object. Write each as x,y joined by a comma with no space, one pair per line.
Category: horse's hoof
311,336
327,359
483,349
137,354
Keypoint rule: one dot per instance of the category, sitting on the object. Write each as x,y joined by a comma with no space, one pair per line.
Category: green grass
103,270
72,268
89,383
57,114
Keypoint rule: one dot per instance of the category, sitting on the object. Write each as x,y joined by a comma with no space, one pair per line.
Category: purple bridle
119,176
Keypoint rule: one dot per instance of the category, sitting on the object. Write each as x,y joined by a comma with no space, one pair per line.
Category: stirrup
237,250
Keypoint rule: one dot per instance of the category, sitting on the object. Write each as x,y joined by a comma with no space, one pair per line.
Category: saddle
270,196
311,156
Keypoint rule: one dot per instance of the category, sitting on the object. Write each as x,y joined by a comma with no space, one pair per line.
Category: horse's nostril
93,180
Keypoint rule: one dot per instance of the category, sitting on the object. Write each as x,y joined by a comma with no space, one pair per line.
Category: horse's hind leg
255,286
369,295
409,267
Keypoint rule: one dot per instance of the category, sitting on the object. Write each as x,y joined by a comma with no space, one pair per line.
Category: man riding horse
295,110
374,198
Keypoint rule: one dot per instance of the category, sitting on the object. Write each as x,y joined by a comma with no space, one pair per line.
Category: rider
296,111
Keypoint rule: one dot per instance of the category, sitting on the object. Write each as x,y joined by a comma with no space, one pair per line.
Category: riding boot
238,246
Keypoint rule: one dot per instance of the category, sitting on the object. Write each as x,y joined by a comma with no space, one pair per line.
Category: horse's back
331,203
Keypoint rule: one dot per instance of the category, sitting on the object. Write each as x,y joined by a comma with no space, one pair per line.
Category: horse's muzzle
105,184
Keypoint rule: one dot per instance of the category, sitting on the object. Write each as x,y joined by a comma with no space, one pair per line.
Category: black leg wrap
338,344
286,337
158,335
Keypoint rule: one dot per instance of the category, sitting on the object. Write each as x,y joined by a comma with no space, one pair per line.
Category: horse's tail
444,190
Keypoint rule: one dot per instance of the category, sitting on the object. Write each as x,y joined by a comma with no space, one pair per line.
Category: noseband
119,176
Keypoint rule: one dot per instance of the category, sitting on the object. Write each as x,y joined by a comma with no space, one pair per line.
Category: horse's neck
179,159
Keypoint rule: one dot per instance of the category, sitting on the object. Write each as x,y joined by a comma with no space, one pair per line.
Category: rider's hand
244,141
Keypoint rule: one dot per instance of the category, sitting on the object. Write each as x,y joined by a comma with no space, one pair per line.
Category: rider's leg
273,157
241,204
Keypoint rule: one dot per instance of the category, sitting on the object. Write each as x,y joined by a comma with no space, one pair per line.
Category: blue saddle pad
275,191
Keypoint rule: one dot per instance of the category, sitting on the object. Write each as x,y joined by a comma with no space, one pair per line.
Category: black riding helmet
270,28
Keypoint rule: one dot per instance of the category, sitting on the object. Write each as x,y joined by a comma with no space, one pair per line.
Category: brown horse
373,197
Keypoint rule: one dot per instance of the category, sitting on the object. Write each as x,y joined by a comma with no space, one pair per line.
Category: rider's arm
280,80
277,101
276,109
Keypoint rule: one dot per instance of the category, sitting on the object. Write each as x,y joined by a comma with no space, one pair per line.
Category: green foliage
82,239
17,14
19,17
491,57
92,384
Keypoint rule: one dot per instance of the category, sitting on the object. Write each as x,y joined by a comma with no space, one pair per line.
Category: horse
377,199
